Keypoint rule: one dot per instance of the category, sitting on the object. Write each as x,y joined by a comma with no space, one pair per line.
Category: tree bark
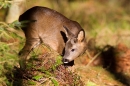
17,8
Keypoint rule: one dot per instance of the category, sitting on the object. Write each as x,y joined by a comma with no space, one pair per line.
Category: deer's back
48,25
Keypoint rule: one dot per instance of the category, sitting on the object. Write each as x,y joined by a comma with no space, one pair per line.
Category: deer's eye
73,50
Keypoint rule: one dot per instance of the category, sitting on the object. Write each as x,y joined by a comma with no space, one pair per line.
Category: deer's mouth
65,61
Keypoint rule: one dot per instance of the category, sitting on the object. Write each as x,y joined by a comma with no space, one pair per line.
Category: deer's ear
68,32
81,36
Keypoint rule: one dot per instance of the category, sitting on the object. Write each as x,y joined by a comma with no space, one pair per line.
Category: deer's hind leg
28,47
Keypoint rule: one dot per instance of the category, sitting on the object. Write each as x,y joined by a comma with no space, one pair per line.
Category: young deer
52,28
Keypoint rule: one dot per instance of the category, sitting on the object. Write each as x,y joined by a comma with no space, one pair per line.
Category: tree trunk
17,7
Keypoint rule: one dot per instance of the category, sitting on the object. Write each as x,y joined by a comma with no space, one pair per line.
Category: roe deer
53,29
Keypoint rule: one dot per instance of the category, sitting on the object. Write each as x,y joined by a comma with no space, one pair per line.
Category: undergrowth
8,53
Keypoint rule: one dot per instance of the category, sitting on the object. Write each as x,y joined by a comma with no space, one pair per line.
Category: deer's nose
65,61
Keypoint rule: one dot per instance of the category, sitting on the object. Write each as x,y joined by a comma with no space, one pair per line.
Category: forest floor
108,66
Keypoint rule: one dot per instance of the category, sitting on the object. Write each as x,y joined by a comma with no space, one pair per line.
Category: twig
4,24
93,59
9,1
89,56
1,6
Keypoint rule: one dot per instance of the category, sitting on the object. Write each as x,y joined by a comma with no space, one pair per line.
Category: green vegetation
5,3
8,53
